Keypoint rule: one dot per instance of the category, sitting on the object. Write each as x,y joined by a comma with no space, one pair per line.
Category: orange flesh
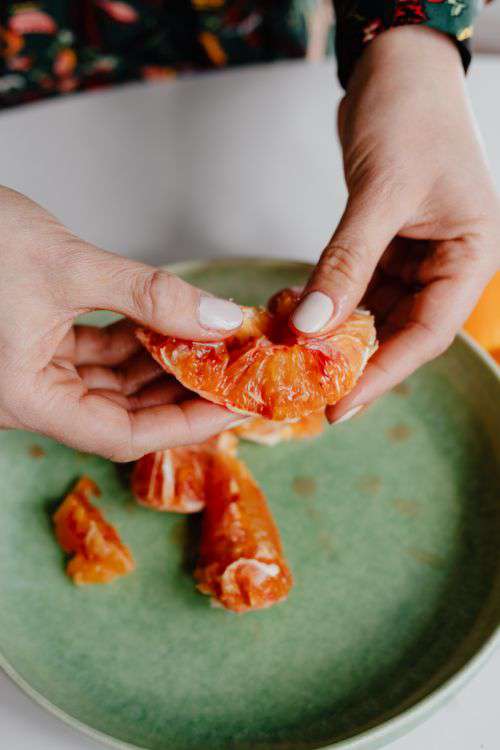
267,370
81,530
484,322
170,480
266,432
241,564
174,479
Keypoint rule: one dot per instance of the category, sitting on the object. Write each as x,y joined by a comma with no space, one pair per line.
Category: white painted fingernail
240,421
351,413
219,314
313,313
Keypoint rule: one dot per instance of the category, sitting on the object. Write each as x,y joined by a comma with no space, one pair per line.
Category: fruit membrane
265,368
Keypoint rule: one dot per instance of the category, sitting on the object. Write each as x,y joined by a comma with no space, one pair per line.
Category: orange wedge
99,556
265,369
266,432
174,479
241,564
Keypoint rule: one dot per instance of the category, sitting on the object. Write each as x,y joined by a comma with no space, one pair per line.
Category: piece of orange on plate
241,563
98,554
174,479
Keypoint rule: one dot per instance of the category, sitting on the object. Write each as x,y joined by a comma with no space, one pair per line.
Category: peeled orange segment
170,480
81,530
266,432
174,479
241,564
267,370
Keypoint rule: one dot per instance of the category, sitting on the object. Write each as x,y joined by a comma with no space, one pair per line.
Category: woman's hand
95,389
420,236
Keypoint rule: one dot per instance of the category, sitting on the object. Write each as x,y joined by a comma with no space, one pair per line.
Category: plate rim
378,735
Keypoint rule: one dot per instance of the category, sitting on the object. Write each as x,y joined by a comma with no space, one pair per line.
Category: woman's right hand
95,389
420,235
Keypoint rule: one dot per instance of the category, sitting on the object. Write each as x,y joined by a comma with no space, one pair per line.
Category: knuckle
145,294
473,255
469,251
188,429
344,263
482,251
122,452
154,294
117,444
127,449
433,342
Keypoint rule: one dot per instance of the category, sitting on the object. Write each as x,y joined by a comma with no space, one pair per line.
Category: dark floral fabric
58,46
52,47
360,21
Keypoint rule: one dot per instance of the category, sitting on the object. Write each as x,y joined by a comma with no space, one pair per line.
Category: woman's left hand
420,235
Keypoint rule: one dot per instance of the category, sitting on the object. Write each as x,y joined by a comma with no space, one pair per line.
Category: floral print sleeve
50,47
360,21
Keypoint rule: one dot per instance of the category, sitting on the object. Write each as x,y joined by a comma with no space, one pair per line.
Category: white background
237,163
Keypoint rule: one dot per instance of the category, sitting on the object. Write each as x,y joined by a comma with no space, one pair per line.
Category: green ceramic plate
391,524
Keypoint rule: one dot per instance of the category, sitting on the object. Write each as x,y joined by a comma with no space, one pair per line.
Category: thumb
346,266
94,279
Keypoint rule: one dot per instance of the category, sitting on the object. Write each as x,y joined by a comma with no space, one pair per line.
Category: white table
228,164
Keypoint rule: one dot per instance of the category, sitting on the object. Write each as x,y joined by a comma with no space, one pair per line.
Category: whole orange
484,322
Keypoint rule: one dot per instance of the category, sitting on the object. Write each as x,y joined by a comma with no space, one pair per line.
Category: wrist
410,52
418,42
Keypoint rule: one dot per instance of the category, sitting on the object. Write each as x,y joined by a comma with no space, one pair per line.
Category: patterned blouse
50,47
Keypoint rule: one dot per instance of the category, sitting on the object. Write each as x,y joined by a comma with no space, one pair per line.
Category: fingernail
313,313
219,314
351,413
241,421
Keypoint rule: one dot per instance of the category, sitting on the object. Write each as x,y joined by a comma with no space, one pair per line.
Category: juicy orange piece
81,530
174,479
266,432
267,370
484,322
241,564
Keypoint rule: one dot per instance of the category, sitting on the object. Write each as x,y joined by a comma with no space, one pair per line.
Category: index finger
346,266
435,316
